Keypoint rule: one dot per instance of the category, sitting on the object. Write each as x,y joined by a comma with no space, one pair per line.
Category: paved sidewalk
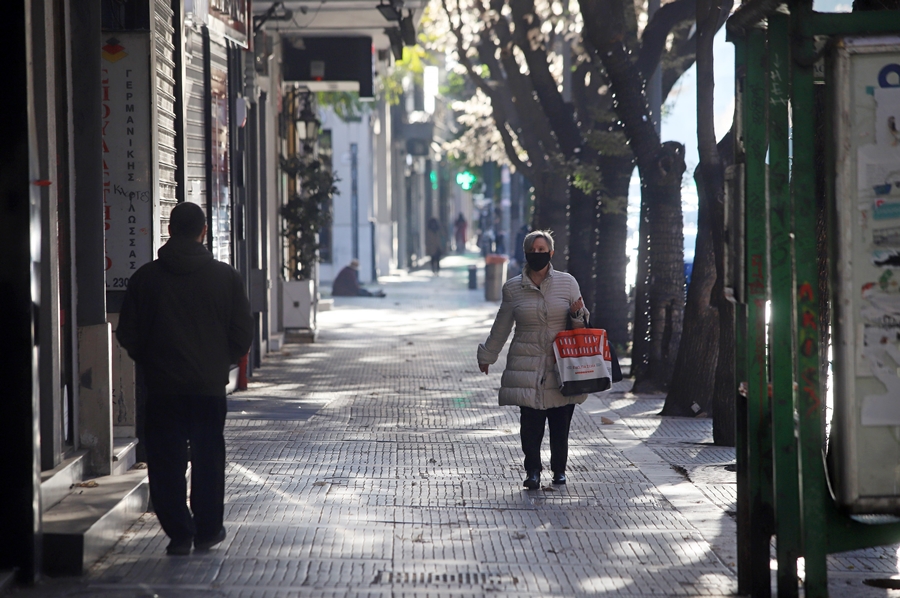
375,462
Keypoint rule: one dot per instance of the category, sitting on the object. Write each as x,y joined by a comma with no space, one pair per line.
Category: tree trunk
551,212
659,292
582,208
609,304
724,407
665,289
693,382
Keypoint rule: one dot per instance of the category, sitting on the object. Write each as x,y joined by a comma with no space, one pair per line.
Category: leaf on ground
319,483
88,484
606,421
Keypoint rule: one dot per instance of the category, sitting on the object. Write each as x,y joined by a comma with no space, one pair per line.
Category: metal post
810,406
787,498
756,528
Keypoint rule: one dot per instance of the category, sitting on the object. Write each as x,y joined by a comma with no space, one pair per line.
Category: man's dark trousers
532,434
172,422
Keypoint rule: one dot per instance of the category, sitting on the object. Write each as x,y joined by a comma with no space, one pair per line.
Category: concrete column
94,400
19,295
95,429
45,101
384,241
123,387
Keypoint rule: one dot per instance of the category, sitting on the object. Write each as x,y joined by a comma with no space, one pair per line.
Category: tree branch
526,36
498,110
653,40
630,105
521,88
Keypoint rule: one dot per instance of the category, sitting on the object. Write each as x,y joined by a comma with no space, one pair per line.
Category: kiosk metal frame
783,485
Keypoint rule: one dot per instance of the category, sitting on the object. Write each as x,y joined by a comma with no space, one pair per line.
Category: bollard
494,276
473,277
242,372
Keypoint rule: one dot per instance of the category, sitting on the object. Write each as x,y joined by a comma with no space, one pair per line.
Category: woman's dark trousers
532,432
173,422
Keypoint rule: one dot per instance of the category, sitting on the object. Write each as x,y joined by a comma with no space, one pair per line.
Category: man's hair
187,220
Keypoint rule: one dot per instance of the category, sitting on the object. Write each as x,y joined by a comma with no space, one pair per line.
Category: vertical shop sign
127,182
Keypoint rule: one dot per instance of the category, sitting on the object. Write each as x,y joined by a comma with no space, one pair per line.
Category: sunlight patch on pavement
604,583
256,479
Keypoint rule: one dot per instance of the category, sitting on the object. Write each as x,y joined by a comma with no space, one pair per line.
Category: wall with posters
866,80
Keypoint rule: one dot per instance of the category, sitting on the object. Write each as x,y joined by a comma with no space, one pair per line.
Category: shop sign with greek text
127,180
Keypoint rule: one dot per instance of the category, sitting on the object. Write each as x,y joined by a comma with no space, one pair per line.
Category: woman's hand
483,367
575,307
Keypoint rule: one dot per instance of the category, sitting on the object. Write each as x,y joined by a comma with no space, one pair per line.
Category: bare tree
659,290
583,141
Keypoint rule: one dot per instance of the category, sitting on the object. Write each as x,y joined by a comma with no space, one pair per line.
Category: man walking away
185,320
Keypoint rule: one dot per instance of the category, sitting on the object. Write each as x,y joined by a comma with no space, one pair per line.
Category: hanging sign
127,182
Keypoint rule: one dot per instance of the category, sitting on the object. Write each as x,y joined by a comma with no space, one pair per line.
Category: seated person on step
346,284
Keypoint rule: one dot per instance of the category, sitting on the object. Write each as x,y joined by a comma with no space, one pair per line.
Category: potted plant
306,212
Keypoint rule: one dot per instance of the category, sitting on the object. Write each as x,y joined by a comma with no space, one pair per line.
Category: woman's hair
531,237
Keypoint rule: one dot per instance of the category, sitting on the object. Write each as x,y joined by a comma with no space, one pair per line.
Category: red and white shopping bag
583,361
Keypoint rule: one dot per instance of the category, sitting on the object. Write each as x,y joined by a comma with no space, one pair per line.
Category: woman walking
541,302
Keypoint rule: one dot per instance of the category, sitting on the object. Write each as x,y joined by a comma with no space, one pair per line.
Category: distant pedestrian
184,321
540,302
459,233
434,244
346,283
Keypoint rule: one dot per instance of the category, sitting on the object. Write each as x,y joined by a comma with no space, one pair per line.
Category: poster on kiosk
864,79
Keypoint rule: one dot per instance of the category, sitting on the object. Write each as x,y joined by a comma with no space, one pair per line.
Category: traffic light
466,180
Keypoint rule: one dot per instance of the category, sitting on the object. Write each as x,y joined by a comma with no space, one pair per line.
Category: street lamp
389,10
306,119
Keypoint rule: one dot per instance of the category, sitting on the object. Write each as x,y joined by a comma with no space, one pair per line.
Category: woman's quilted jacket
539,313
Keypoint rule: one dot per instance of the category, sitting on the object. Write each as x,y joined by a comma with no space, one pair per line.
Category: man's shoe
179,547
559,479
533,481
207,544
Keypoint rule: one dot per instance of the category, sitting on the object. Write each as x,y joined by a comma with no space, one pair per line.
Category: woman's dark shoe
559,478
533,481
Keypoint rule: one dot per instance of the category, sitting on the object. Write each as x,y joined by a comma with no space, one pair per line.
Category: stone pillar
123,387
95,421
93,403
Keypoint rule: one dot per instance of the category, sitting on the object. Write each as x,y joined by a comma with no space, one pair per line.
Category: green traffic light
465,179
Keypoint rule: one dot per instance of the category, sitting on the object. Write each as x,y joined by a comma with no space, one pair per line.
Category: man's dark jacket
185,320
346,284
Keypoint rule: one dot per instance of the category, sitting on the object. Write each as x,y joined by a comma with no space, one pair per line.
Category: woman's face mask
537,261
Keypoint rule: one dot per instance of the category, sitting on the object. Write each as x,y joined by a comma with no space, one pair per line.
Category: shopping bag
582,358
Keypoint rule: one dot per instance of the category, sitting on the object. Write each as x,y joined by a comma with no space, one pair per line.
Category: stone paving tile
376,462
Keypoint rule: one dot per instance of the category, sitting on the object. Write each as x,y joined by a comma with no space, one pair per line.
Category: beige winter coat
539,313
